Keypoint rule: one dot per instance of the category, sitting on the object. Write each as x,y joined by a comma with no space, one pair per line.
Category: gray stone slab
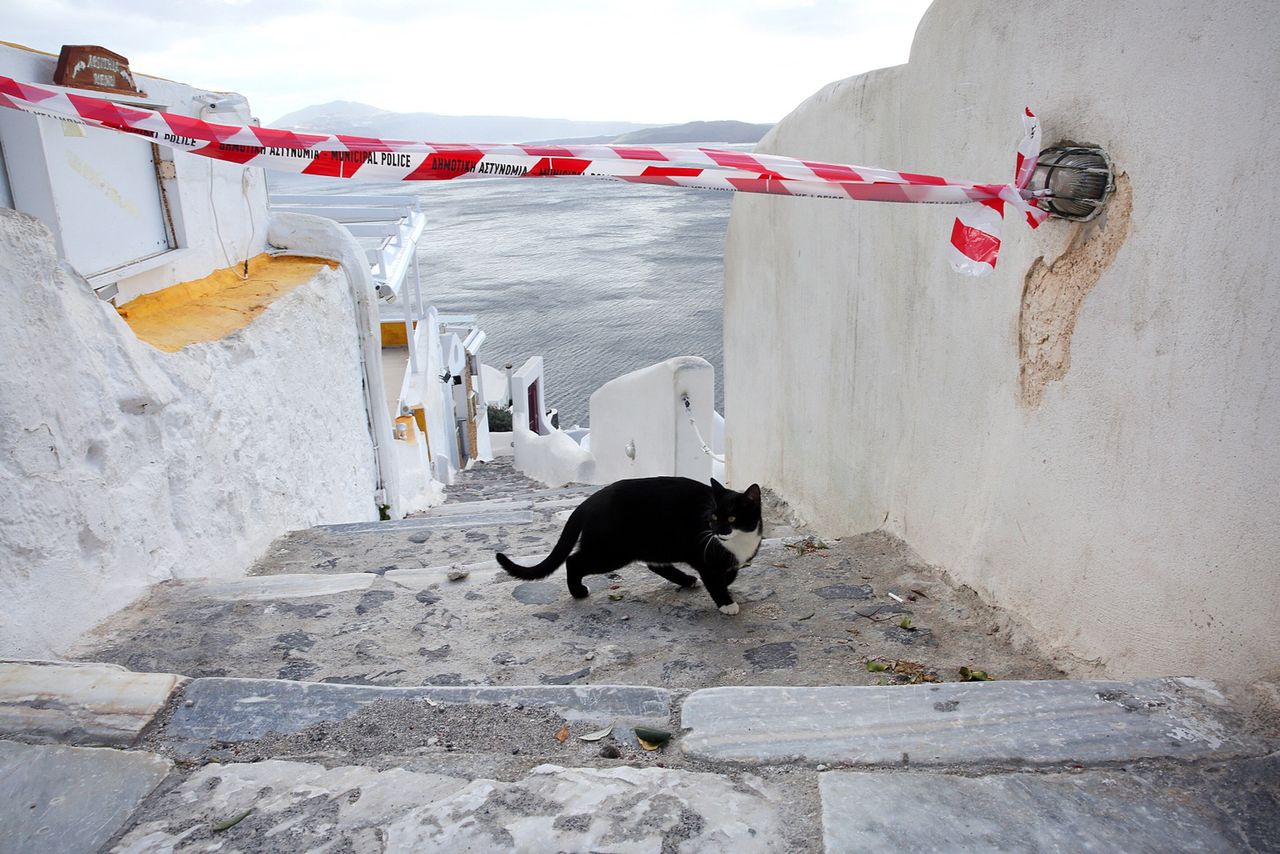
845,591
1132,811
379,549
1035,722
295,806
230,710
565,491
429,523
471,508
537,592
559,503
79,703
430,575
262,588
69,799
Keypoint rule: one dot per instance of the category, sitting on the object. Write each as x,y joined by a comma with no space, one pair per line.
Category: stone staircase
385,686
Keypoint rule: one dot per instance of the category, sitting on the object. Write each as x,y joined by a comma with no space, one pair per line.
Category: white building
188,373
1091,437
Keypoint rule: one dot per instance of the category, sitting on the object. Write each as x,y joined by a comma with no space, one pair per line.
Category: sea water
597,277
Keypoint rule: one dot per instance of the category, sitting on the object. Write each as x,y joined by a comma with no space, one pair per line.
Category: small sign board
86,66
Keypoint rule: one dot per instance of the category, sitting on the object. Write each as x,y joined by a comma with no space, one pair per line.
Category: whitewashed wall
639,426
121,466
550,456
1091,437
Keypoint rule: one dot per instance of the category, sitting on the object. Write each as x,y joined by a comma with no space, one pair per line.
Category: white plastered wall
1128,511
121,466
640,428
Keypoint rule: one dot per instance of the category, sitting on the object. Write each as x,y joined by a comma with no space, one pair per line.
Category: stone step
498,479
481,519
985,723
237,710
580,490
1164,809
427,577
549,808
55,799
490,505
305,585
264,588
462,537
69,799
75,703
803,620
552,501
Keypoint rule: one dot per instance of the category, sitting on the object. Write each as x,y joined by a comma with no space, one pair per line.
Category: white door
106,195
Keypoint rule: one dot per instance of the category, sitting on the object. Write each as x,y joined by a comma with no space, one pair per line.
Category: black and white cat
660,521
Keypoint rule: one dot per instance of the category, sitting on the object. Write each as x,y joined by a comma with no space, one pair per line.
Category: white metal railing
389,228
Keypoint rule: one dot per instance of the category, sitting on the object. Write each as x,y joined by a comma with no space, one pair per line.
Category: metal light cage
1077,178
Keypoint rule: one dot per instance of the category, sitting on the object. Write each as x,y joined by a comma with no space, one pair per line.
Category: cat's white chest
743,545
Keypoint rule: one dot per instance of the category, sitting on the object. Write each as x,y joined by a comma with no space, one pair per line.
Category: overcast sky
651,62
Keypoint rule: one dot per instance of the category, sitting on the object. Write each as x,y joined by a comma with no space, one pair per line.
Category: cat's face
735,511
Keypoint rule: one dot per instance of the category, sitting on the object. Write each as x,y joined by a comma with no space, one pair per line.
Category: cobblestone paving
374,605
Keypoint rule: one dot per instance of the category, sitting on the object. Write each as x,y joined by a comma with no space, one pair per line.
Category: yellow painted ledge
394,334
217,305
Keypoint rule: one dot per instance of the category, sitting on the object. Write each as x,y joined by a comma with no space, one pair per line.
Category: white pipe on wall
304,234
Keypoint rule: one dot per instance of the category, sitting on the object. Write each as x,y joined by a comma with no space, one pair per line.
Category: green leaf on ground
227,824
877,666
597,735
651,739
967,675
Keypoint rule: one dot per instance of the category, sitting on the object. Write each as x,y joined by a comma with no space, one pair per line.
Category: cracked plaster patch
1053,294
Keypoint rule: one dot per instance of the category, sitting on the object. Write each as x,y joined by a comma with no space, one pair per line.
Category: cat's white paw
730,609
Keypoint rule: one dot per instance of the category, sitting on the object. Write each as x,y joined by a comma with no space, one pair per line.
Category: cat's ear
717,487
753,493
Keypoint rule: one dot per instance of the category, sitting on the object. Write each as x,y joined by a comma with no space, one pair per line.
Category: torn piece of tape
975,238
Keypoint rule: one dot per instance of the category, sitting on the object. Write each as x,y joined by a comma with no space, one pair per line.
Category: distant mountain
358,119
363,120
334,111
727,131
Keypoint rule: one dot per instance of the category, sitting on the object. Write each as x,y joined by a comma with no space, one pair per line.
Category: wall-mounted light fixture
222,108
1078,179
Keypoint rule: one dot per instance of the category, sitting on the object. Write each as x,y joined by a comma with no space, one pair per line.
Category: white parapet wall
639,425
552,457
424,389
323,238
122,466
1090,437
545,454
530,382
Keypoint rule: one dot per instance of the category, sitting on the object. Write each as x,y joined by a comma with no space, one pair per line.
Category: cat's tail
568,539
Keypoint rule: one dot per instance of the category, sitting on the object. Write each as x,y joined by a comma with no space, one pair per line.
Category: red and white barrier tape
975,237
